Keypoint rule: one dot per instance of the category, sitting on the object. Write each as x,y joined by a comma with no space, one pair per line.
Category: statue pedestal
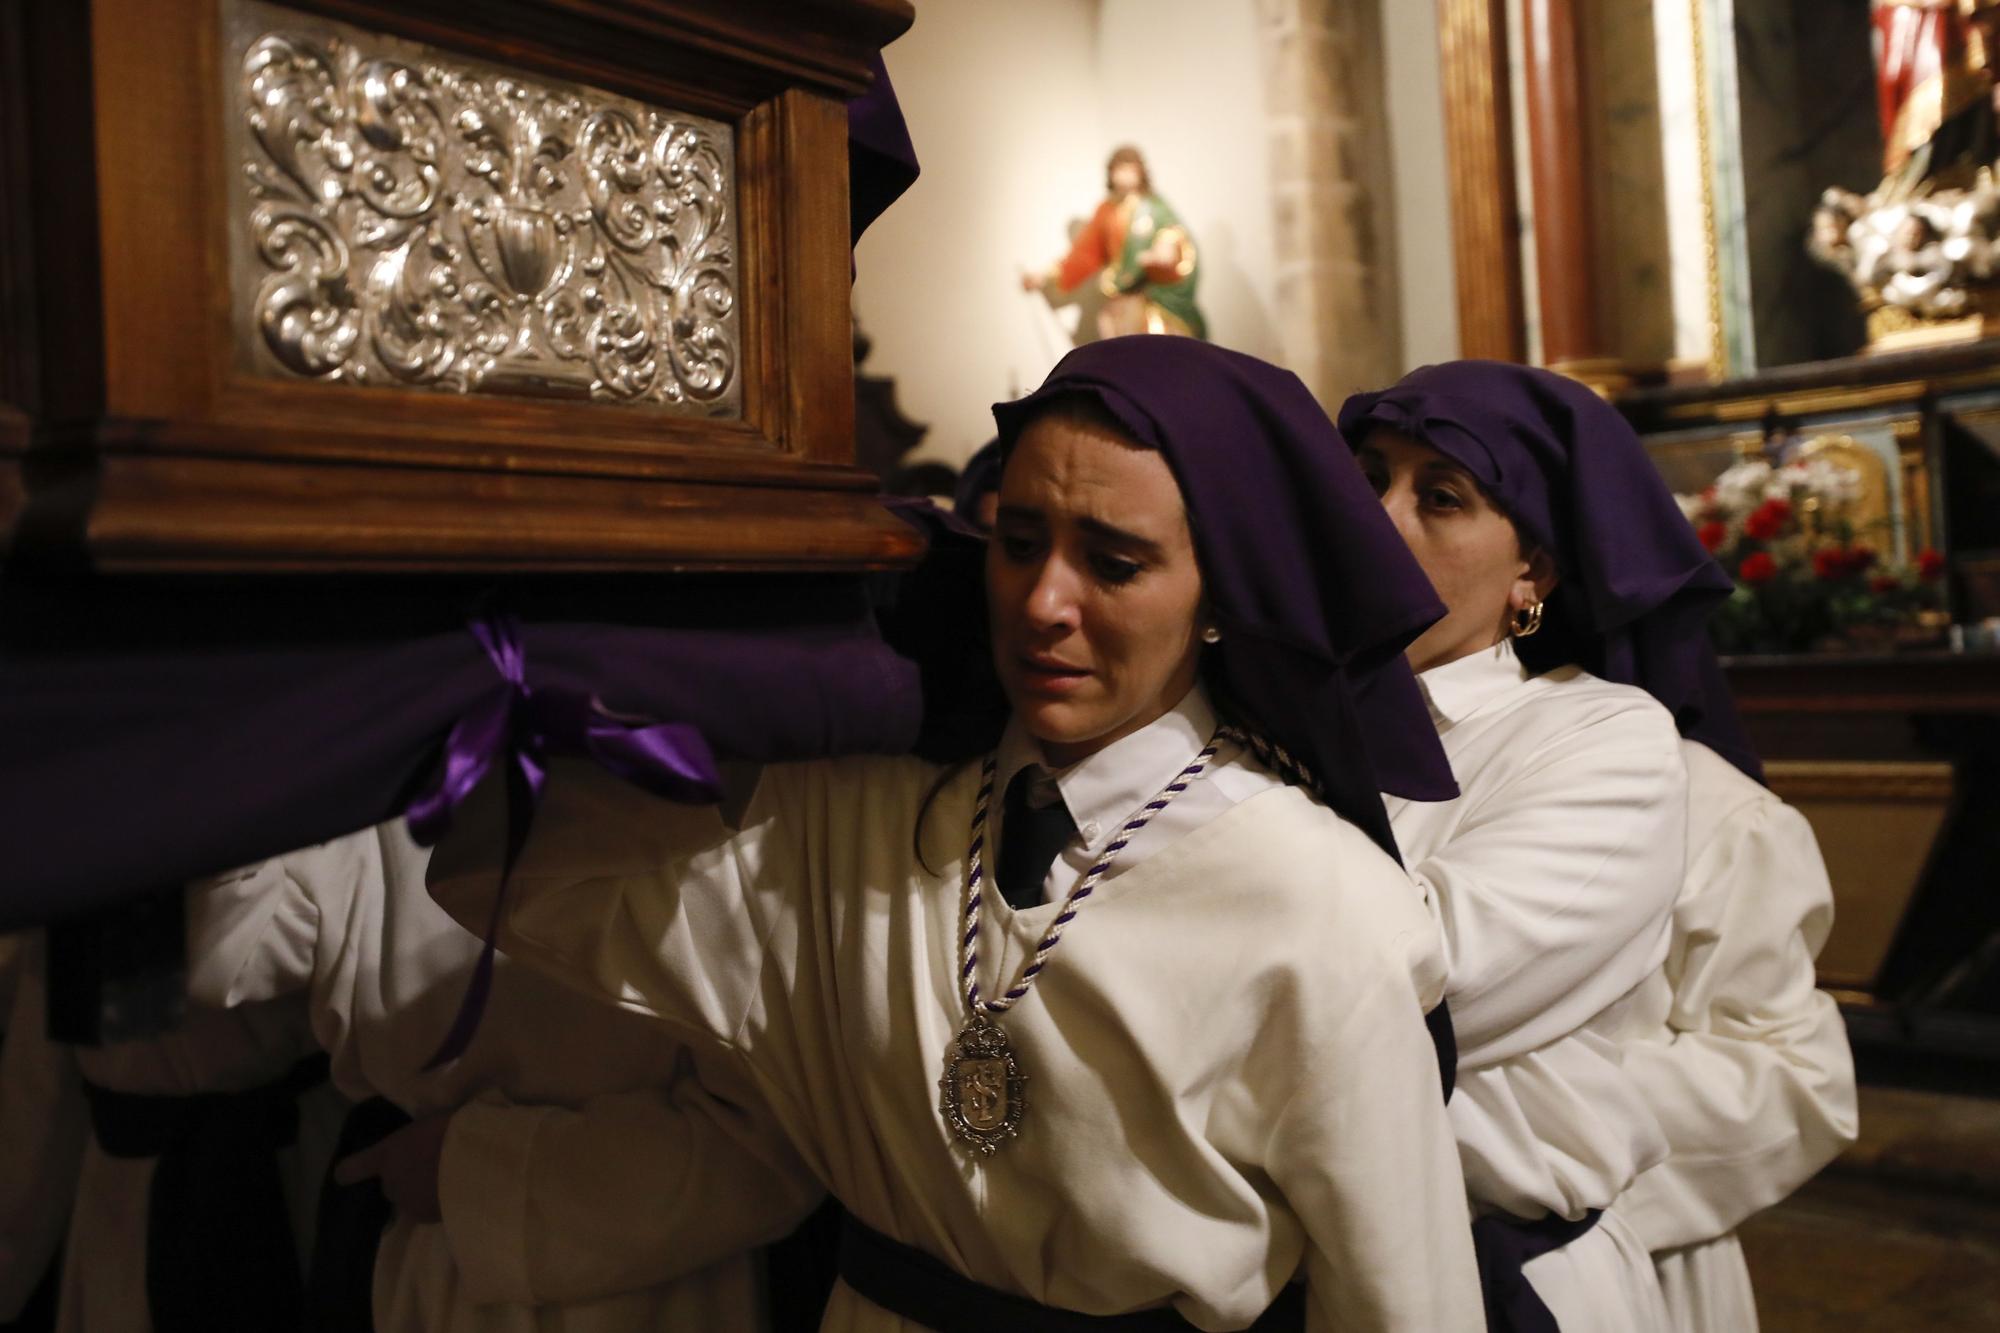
1891,329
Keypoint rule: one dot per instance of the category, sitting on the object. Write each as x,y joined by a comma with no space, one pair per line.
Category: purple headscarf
1315,594
881,163
1636,587
979,477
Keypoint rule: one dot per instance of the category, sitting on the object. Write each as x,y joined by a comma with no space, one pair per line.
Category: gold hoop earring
1527,620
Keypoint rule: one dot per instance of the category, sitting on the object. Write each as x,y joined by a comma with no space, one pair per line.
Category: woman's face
1093,589
1466,546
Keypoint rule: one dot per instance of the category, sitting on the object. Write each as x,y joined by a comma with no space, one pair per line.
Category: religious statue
1923,248
1141,254
1935,91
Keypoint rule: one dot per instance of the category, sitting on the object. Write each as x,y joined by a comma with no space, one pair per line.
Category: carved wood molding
180,514
1860,780
514,234
1492,320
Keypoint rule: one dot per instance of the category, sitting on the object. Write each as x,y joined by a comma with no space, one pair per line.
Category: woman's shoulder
1725,805
1570,701
864,780
1572,686
867,800
1343,896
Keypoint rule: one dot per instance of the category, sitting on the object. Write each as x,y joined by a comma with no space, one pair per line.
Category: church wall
1013,109
1002,109
1182,80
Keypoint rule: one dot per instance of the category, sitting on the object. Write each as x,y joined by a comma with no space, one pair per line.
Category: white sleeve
1554,893
1369,1165
253,934
628,1190
43,1125
1756,1087
656,906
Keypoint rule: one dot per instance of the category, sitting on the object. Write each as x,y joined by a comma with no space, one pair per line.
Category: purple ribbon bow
518,727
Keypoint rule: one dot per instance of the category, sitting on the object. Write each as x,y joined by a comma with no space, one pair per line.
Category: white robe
52,1169
1743,1060
590,1183
43,1124
1229,1078
1552,877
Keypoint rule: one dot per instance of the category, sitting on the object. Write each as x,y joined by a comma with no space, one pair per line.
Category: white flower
1834,483
1691,506
1787,481
1742,486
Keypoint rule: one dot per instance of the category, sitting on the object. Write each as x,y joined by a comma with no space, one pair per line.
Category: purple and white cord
975,881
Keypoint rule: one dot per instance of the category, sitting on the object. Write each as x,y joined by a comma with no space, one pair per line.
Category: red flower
1767,520
1712,535
1757,567
1930,565
1884,583
1834,562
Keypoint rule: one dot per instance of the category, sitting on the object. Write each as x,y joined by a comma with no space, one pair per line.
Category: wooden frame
1485,214
147,447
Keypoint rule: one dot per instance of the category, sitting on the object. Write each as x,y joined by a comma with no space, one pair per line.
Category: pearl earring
1211,635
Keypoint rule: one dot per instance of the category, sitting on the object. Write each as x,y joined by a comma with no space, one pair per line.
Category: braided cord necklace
982,1094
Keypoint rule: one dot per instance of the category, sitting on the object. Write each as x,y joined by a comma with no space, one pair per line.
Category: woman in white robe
43,1123
1228,1083
57,1181
588,1181
1743,1059
1563,875
1551,879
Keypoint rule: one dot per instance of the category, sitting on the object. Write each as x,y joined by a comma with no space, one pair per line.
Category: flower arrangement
1806,578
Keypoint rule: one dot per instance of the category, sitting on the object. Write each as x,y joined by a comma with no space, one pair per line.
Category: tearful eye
1017,547
1443,499
1115,569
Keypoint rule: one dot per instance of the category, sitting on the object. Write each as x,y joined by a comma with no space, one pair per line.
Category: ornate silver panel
401,216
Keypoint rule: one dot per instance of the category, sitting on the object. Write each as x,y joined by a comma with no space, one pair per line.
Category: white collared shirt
1104,791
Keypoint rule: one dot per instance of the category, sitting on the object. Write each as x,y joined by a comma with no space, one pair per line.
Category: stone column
1339,322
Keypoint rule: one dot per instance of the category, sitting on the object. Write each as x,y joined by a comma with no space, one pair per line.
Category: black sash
219,1248
905,1281
340,1284
1504,1245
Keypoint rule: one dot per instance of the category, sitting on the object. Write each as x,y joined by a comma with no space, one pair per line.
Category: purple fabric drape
881,163
132,761
516,729
979,477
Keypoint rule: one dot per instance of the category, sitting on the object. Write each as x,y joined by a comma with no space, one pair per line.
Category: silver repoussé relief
407,218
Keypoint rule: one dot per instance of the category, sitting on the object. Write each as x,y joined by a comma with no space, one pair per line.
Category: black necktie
1030,838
